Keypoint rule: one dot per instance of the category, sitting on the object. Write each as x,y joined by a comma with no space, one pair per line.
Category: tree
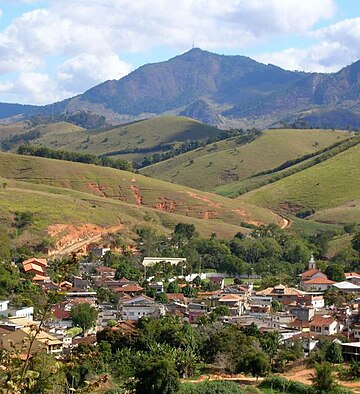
356,242
323,379
157,377
257,364
335,272
333,353
5,253
184,230
84,315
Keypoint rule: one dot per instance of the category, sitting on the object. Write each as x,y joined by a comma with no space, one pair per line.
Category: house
325,325
303,313
140,306
218,281
105,272
234,302
196,310
347,287
35,266
177,297
317,284
353,277
129,288
280,319
260,305
308,340
351,351
20,340
281,293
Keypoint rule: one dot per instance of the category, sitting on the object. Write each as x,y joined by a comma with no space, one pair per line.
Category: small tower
312,263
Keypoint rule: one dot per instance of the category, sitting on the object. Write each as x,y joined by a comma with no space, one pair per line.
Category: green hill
330,188
224,163
130,141
58,193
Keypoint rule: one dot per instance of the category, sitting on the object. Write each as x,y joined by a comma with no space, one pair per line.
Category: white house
325,325
140,306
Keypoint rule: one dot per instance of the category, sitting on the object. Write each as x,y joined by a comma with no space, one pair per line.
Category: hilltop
130,141
65,194
225,91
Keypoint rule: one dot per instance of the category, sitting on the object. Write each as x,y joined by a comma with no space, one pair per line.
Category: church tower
312,263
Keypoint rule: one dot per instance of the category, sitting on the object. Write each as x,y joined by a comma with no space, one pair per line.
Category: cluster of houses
298,314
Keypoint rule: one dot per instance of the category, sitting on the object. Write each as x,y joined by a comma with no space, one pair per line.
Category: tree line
86,158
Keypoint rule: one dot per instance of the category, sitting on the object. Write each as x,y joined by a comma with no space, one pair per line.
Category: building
353,277
140,306
26,312
234,302
282,293
347,287
325,325
196,310
20,341
105,272
351,351
317,284
150,261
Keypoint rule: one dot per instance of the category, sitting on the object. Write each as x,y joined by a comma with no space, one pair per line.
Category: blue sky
53,49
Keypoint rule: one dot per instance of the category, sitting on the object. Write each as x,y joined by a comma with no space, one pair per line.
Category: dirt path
284,223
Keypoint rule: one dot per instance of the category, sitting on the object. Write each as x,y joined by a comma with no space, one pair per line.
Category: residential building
20,340
196,310
325,325
140,306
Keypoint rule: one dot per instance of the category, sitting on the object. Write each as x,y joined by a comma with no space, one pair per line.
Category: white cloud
92,35
36,88
85,70
338,45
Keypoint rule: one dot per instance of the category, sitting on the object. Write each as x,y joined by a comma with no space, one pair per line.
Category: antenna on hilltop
193,45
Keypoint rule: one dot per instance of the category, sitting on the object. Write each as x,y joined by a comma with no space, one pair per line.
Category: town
61,305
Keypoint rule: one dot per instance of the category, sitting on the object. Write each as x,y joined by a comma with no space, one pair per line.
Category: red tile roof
349,274
322,320
42,262
310,273
319,281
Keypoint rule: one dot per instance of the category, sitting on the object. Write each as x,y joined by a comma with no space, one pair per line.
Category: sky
55,49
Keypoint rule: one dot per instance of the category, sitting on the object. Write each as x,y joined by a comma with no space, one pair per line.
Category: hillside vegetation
225,162
130,141
58,192
330,189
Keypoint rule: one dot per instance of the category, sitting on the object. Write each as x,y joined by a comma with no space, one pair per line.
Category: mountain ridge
226,91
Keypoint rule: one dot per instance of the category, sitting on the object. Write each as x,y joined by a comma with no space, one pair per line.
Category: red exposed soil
97,188
209,214
165,204
202,198
72,238
137,195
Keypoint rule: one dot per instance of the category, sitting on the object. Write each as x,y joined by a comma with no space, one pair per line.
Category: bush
214,387
283,385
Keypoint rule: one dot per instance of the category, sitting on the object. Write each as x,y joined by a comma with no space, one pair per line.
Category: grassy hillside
147,136
225,162
72,193
331,188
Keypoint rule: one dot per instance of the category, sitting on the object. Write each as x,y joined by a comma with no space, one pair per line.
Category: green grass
331,188
222,162
65,192
145,134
